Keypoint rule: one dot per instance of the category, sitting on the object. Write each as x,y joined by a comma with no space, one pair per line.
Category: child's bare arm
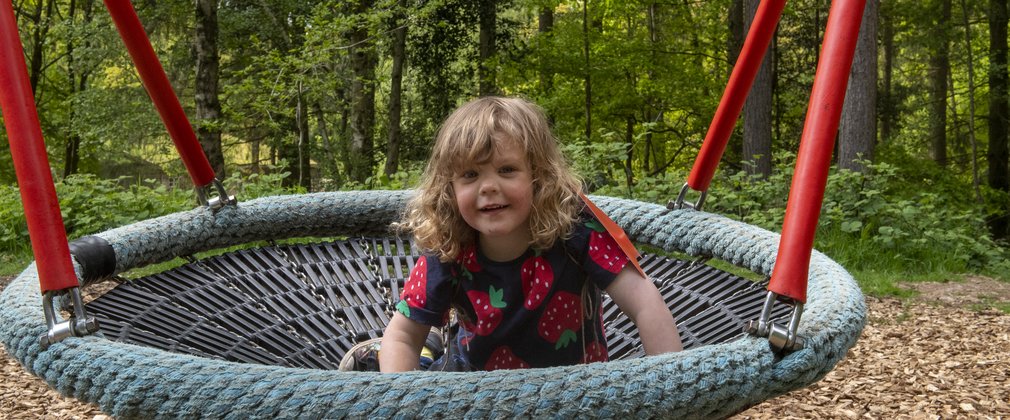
401,344
641,301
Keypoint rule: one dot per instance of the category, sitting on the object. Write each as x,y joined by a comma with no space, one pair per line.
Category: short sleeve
428,291
604,259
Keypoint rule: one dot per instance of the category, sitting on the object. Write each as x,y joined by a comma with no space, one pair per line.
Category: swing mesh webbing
305,305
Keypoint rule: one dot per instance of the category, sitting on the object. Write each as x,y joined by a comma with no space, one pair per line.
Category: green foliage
910,220
90,205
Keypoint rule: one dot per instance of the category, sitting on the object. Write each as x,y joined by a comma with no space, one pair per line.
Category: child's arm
401,344
640,300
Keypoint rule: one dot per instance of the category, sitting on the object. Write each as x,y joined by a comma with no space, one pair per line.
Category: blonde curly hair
474,133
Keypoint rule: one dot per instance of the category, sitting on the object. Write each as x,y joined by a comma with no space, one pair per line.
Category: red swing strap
38,194
31,164
614,230
792,265
763,27
160,90
167,104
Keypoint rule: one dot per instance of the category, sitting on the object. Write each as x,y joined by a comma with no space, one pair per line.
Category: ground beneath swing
942,354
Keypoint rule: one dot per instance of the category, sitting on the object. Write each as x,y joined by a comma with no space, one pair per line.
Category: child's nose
488,185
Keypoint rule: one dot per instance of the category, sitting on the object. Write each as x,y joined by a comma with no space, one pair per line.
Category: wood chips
915,360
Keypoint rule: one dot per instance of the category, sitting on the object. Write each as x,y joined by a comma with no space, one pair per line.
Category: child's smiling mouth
493,207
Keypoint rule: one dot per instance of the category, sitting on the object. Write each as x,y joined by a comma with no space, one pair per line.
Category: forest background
292,96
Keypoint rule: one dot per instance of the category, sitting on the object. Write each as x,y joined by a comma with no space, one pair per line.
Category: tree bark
999,112
362,119
396,87
78,76
629,151
971,103
208,106
734,42
304,141
544,27
39,32
488,11
757,111
857,135
888,108
324,135
939,68
587,76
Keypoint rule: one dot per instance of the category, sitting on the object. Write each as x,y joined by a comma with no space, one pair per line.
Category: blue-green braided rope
129,381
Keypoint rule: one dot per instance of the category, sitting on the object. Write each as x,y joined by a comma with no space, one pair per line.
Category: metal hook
217,202
680,202
779,337
79,324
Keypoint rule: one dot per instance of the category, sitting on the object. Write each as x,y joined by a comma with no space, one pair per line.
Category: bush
89,205
911,219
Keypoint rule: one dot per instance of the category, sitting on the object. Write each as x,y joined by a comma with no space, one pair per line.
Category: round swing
257,333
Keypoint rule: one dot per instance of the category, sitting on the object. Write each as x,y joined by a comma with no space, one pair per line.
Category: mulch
917,358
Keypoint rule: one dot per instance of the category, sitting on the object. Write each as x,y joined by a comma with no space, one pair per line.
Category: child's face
495,197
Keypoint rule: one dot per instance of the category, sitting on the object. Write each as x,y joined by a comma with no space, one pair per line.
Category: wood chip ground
921,358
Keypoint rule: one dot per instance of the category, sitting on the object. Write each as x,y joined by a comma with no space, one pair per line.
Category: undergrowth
889,224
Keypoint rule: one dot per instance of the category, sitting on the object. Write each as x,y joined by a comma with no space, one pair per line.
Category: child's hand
640,300
401,344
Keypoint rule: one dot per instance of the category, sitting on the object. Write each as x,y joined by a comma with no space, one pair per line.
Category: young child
513,248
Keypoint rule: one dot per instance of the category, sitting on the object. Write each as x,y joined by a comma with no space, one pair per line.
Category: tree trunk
362,119
734,42
999,111
324,135
78,75
939,67
40,29
488,10
208,107
395,88
971,103
857,135
757,111
545,26
304,141
587,81
629,151
888,108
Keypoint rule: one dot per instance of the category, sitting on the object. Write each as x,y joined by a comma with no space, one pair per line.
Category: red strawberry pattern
468,259
603,249
522,313
562,321
537,277
488,306
595,352
415,290
503,358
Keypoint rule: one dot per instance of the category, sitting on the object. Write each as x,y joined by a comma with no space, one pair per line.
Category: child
512,247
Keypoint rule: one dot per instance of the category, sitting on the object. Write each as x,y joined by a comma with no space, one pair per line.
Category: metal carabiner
680,202
781,339
217,202
79,324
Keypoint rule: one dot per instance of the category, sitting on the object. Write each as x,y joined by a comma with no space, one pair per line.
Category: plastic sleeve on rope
789,278
160,90
96,257
751,55
31,164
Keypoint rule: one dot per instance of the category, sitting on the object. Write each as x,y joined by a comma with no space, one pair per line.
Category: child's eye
468,174
507,170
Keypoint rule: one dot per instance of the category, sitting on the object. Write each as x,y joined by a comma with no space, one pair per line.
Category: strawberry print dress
533,311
